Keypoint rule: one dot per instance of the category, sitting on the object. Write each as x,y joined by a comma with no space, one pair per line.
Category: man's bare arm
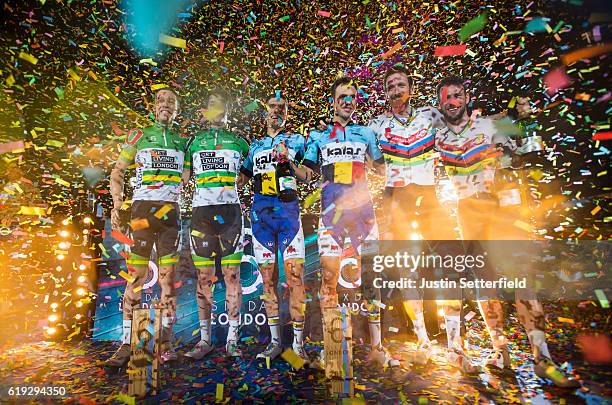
185,176
117,179
302,172
242,180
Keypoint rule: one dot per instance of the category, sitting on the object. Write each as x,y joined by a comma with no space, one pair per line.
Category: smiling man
471,150
158,154
215,157
340,153
411,208
276,222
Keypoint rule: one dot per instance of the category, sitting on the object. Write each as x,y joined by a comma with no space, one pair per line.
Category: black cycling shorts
159,230
216,230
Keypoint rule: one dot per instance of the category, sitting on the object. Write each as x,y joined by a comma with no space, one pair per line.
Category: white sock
274,329
232,332
374,324
537,338
205,331
127,331
419,327
452,330
298,333
167,321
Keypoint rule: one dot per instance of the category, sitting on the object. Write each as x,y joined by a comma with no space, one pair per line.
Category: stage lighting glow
82,266
87,220
81,291
64,245
51,331
53,318
58,268
61,257
440,312
64,233
65,222
78,304
414,224
54,305
82,279
85,231
78,316
415,236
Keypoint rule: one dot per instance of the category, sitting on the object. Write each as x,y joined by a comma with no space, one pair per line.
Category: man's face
215,109
398,91
453,102
277,113
345,101
166,106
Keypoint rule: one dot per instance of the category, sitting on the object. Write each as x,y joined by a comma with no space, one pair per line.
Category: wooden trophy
144,362
337,341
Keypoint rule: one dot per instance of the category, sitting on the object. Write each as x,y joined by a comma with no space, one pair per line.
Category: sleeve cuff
380,160
311,165
246,172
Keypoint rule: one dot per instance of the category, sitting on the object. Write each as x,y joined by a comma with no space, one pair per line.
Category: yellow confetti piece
126,399
268,363
32,211
219,392
566,320
163,211
128,277
195,332
159,86
197,233
149,61
409,311
28,58
312,198
292,358
523,225
212,113
138,289
137,224
595,210
172,41
74,75
62,182
10,80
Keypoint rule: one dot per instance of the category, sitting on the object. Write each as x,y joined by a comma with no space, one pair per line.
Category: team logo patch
133,136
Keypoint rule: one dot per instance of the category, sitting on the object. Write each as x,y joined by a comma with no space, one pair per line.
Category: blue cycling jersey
261,164
340,154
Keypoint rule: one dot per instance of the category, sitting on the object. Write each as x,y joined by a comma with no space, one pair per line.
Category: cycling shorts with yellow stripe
216,231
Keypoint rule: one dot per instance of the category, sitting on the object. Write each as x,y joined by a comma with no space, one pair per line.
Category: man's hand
283,152
323,123
523,108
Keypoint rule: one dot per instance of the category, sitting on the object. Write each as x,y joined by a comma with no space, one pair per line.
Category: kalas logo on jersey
343,150
266,159
291,249
267,255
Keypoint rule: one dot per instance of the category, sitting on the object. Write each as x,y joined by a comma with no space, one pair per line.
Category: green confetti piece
473,26
603,300
249,108
538,24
